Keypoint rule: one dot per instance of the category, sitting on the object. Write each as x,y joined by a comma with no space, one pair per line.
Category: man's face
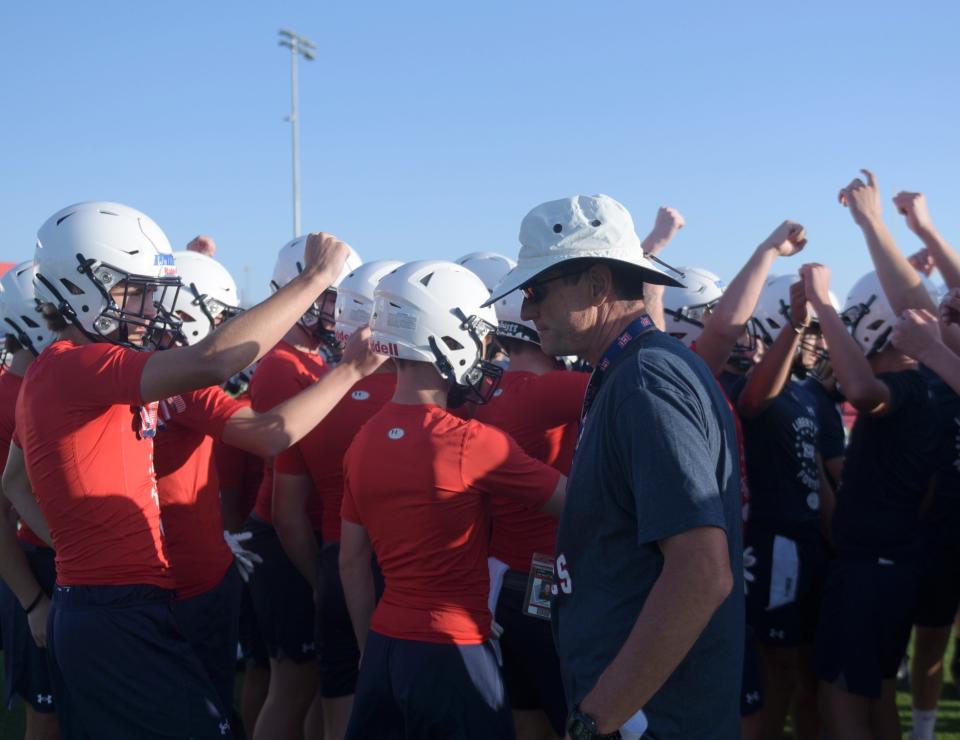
135,300
327,304
812,346
562,310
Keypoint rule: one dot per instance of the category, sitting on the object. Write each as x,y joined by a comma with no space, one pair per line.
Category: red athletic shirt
542,413
239,470
282,373
190,489
87,441
9,388
320,453
420,480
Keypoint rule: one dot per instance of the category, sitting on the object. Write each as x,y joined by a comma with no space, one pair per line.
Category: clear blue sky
430,128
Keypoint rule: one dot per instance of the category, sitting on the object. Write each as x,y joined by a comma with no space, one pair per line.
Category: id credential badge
539,585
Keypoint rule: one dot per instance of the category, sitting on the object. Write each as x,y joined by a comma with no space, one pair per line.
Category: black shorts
26,671
253,649
751,686
865,620
938,597
410,689
337,651
783,602
211,623
126,667
282,597
531,668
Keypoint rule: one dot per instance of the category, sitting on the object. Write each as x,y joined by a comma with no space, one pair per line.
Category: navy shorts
337,651
253,649
282,597
751,686
127,670
938,597
26,671
410,689
211,623
865,620
531,668
783,602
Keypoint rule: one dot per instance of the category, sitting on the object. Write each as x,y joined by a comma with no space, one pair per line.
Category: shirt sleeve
206,411
904,388
494,464
109,374
291,462
832,439
669,457
732,385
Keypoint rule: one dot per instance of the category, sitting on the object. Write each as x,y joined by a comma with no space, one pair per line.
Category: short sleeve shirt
833,438
542,413
320,453
947,403
190,488
282,373
657,457
887,471
782,443
87,440
419,480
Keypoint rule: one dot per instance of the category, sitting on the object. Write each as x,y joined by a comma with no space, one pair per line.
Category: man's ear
600,283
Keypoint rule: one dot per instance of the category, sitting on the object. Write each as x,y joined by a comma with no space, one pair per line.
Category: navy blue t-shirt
947,402
781,447
658,457
833,439
887,471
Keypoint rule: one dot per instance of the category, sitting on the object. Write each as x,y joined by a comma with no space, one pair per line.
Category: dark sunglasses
537,291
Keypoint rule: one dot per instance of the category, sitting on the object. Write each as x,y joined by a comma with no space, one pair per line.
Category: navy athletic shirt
947,402
658,457
887,472
781,447
833,440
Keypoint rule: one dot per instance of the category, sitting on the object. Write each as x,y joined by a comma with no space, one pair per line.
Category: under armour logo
778,634
396,433
308,647
224,728
752,697
45,699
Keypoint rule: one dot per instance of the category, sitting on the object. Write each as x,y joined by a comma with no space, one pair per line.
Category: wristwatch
582,726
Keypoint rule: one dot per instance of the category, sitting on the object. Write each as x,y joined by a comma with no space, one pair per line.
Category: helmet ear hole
71,286
875,325
452,343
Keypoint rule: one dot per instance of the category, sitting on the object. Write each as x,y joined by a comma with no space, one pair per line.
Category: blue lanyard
638,326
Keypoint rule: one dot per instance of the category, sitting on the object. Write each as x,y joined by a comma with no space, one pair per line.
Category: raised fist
950,307
816,283
914,207
203,245
799,307
787,239
357,352
324,256
863,199
922,262
669,222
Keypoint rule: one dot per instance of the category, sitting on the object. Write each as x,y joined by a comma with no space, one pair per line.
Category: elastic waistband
67,597
515,580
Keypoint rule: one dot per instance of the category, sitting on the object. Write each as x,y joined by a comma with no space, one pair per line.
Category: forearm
944,257
767,379
268,434
944,362
850,365
681,603
356,575
901,282
734,309
14,568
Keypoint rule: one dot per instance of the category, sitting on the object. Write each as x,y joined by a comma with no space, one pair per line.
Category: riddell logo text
385,348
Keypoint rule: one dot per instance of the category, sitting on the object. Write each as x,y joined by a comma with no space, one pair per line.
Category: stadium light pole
299,46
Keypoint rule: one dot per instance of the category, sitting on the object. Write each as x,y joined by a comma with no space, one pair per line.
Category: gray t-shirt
658,457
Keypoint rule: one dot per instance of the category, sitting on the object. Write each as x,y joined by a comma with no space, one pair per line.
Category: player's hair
53,317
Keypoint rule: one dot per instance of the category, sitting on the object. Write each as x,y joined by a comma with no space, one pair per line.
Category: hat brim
520,275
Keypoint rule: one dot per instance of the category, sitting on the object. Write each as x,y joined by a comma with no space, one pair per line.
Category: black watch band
582,726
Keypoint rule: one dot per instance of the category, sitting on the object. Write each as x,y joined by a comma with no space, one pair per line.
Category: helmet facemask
856,315
480,380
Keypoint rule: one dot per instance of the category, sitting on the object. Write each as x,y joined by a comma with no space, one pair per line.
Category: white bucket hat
581,227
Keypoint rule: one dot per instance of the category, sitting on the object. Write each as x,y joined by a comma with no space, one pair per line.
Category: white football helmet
290,264
772,311
509,323
19,311
430,311
685,309
490,267
87,249
869,315
355,296
208,296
